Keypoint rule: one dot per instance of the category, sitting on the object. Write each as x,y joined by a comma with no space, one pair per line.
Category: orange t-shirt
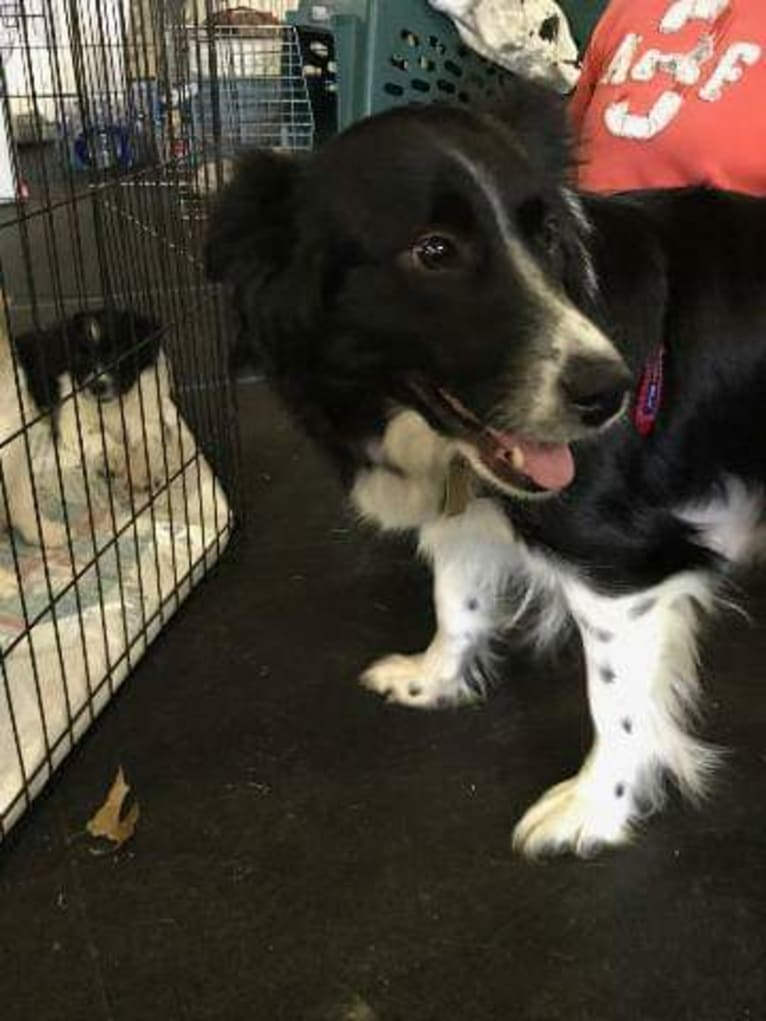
673,92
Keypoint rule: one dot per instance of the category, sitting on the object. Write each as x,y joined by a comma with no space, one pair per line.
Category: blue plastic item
104,147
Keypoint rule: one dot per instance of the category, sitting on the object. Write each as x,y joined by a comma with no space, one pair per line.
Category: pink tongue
550,465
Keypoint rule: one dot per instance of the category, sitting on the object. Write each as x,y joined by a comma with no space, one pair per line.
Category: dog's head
110,348
432,257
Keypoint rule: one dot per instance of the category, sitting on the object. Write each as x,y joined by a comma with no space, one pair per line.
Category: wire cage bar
119,463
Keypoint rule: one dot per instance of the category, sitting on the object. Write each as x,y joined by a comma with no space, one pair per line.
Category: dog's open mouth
512,458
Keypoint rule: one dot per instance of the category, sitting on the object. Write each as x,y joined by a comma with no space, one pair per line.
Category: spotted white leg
472,555
641,658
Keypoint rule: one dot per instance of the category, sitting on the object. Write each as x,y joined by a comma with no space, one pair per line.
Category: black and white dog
563,394
78,383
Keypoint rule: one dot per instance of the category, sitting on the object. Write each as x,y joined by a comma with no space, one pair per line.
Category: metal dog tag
458,489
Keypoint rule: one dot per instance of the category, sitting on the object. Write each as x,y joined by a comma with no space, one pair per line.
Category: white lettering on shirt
682,12
620,64
684,69
730,69
620,121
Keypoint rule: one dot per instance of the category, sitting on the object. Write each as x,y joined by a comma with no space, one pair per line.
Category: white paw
149,470
416,681
115,468
139,481
577,817
151,484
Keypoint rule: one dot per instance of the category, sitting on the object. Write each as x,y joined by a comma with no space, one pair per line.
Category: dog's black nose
102,388
595,388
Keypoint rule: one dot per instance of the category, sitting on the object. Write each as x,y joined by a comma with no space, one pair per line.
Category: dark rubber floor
305,852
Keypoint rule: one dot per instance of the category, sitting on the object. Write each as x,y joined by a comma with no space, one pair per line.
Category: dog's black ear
146,326
252,231
258,243
538,118
144,333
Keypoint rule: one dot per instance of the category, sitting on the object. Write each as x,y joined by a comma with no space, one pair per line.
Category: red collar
649,393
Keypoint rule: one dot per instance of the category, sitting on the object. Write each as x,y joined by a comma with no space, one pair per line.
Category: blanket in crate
79,617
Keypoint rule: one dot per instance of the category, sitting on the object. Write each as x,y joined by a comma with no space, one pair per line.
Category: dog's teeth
517,458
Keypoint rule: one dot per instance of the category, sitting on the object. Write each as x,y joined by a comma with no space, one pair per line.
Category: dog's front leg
472,554
21,490
641,658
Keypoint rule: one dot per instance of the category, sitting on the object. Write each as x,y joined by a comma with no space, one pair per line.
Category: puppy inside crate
97,387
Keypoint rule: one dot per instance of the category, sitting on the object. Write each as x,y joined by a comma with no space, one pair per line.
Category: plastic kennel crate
395,52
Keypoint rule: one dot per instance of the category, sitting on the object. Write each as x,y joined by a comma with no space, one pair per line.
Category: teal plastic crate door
394,52
416,55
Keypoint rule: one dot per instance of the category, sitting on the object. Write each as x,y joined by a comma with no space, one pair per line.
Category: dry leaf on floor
107,822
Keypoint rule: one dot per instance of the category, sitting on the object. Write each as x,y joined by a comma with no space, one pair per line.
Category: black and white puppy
79,381
428,293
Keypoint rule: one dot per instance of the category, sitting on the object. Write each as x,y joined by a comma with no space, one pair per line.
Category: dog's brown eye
435,252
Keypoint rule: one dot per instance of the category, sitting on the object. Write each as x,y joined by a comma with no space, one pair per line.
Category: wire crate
247,89
119,468
395,52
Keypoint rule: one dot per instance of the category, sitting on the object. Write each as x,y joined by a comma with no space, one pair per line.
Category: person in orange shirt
673,93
